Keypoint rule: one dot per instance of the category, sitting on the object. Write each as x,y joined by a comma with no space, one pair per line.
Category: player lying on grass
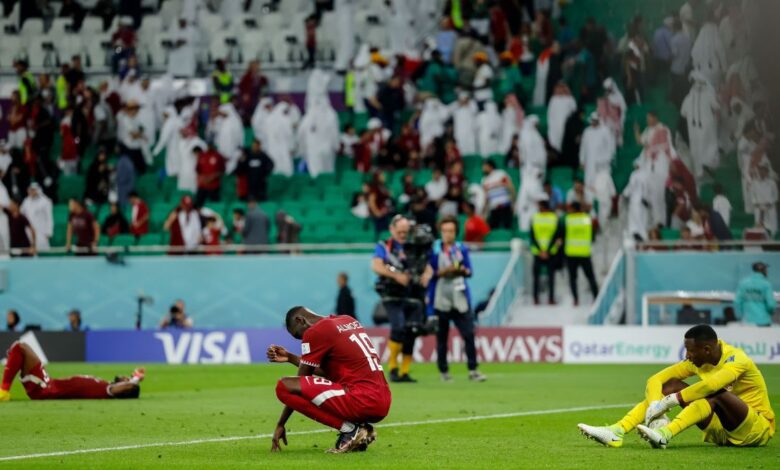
730,403
38,385
340,382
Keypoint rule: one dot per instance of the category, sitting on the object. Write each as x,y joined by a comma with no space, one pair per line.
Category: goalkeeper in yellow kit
730,403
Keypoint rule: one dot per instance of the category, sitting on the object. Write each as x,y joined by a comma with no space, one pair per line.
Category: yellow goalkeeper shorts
755,431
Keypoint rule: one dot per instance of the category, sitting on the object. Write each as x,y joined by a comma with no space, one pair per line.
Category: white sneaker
604,435
446,377
655,437
477,376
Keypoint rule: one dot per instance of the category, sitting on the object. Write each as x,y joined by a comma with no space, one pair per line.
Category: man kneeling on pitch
730,403
340,382
22,359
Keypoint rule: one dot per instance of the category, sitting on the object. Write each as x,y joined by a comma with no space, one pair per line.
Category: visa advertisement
249,346
659,344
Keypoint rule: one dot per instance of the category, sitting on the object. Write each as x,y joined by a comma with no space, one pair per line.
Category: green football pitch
524,416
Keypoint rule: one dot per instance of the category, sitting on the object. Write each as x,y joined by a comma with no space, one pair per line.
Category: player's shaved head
701,345
299,319
701,333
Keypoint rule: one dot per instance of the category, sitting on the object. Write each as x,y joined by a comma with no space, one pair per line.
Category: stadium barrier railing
609,298
233,249
508,288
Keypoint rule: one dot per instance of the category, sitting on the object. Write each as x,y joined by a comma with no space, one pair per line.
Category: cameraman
396,287
449,298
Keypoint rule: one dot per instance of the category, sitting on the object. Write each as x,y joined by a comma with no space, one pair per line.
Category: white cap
374,123
594,116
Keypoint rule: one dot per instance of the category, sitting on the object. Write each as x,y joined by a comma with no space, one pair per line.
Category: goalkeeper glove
659,407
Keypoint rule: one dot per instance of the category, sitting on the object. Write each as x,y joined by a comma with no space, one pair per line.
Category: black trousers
204,195
400,314
464,322
537,270
501,217
574,263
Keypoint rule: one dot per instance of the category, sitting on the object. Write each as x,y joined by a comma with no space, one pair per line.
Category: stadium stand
276,34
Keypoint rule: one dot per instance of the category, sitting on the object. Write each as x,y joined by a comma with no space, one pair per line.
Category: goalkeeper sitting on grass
730,403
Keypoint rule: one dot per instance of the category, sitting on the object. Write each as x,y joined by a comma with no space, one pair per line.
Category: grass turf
183,403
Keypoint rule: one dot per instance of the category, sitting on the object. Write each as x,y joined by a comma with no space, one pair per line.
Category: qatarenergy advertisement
658,344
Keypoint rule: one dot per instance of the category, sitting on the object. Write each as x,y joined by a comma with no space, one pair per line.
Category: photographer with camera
404,274
449,298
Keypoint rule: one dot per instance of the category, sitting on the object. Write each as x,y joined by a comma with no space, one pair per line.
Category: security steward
577,244
394,286
755,299
545,246
222,80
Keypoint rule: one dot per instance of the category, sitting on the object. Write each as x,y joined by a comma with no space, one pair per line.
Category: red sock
306,408
12,366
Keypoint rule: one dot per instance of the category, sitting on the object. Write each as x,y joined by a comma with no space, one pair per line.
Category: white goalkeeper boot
610,436
658,438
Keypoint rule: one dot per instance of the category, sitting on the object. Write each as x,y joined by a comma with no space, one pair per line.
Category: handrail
702,244
284,248
606,283
504,281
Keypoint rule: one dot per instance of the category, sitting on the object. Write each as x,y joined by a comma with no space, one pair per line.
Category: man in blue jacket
755,301
449,298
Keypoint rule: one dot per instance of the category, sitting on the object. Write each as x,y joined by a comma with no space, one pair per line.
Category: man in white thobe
637,194
751,154
533,153
229,138
489,130
318,137
280,135
765,196
399,22
562,104
316,87
612,110
512,117
38,210
597,149
181,57
700,109
190,146
708,54
657,153
432,118
464,117
531,192
170,138
260,118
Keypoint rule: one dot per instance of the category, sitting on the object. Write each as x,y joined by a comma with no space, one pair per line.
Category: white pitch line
317,431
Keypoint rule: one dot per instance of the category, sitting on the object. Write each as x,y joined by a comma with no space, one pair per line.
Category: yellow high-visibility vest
225,79
62,92
544,226
579,235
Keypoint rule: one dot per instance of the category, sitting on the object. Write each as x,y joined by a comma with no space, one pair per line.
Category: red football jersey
40,387
341,347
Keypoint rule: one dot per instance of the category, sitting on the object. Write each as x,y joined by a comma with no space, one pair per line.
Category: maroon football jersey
341,347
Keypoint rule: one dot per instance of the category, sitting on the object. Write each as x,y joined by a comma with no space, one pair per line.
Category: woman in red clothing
379,203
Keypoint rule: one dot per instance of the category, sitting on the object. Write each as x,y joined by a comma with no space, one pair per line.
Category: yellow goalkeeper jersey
735,372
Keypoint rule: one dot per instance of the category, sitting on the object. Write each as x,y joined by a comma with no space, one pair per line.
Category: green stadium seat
499,235
70,187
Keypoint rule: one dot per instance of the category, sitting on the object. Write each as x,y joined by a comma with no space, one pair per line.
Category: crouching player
730,403
340,382
38,385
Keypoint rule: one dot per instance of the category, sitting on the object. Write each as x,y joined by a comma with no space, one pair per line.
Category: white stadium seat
157,53
91,25
10,50
42,52
288,49
99,57
256,45
59,26
150,26
31,28
69,45
169,13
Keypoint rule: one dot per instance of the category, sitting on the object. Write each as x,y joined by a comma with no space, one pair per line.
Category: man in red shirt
22,359
83,225
475,229
340,381
210,168
139,220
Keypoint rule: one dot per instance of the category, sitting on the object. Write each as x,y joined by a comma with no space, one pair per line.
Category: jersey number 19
368,349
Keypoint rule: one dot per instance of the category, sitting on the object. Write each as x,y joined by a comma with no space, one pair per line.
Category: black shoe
407,379
354,440
394,377
371,438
